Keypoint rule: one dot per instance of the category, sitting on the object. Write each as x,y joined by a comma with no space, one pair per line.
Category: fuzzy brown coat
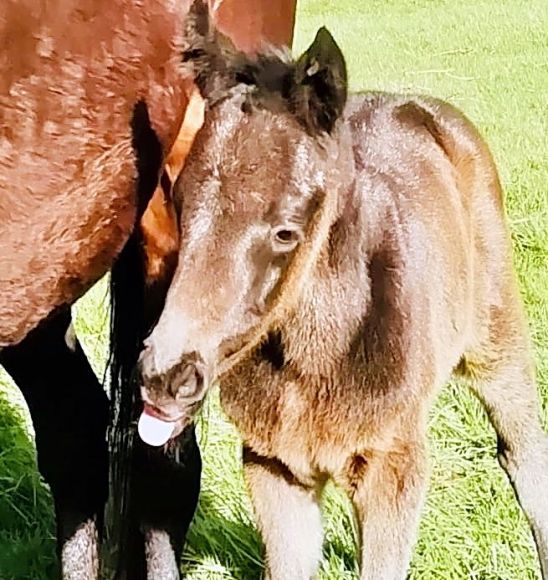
339,261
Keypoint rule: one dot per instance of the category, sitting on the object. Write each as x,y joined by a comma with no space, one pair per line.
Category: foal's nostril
188,383
145,364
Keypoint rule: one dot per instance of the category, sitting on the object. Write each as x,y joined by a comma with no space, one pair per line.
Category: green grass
490,58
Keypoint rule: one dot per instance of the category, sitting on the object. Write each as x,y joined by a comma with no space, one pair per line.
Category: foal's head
257,196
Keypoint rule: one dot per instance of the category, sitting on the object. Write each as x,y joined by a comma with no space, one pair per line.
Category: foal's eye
285,238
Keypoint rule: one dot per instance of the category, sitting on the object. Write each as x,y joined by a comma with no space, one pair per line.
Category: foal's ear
207,51
320,84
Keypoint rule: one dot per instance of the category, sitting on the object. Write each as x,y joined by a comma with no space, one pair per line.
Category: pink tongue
154,431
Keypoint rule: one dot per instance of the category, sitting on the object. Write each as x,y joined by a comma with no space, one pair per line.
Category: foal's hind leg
387,489
509,395
69,411
288,517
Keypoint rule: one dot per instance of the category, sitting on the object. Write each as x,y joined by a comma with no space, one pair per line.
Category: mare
92,98
340,258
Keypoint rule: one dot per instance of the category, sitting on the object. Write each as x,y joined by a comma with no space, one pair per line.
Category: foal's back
432,212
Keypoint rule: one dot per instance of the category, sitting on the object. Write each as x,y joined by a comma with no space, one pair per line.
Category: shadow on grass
27,545
217,544
223,547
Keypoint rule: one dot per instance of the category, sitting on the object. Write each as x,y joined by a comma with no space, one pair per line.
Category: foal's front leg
288,517
387,489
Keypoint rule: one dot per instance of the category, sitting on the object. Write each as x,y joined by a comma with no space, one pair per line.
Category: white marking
79,554
161,563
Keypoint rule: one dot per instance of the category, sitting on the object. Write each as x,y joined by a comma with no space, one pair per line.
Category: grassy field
490,58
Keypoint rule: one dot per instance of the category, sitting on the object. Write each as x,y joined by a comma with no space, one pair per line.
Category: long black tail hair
130,323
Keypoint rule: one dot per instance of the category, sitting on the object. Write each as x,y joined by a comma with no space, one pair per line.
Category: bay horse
340,258
92,98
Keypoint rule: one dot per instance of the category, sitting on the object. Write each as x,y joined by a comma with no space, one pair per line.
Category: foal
338,262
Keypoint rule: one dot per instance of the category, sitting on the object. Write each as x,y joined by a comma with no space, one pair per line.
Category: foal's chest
311,426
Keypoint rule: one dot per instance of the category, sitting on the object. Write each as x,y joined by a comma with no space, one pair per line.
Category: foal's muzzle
172,398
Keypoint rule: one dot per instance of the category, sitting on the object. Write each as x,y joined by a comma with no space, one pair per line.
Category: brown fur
67,159
92,95
331,350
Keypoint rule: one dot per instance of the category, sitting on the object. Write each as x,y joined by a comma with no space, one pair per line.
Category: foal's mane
313,87
220,70
267,79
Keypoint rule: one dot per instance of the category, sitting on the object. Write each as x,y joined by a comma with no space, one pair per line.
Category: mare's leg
508,392
387,489
69,411
165,490
288,516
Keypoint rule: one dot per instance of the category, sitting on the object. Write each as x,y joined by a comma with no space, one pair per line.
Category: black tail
130,323
138,474
135,308
127,331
